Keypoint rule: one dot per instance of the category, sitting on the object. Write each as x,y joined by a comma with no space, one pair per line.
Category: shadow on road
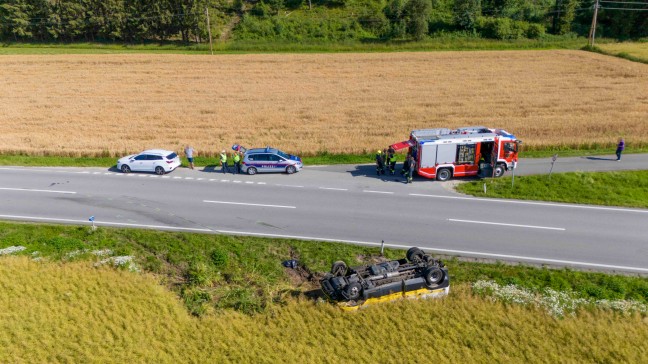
369,171
600,159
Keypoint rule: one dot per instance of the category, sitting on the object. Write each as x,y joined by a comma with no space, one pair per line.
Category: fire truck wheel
339,269
443,174
415,255
433,276
353,291
499,170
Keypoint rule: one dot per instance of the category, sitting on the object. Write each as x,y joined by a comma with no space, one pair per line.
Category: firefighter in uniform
392,162
410,169
403,171
380,165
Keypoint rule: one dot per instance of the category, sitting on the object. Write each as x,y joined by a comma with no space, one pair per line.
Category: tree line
294,20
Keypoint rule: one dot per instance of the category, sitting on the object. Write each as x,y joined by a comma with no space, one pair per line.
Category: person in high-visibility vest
392,163
223,161
237,162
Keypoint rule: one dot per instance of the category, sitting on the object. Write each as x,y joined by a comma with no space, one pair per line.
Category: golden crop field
72,312
308,103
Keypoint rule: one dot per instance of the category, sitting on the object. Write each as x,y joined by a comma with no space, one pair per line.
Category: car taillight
169,162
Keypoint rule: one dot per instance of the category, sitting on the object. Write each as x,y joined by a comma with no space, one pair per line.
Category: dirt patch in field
308,103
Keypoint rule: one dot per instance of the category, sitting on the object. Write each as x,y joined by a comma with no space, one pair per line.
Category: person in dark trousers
380,165
403,171
620,148
223,161
237,162
391,159
410,169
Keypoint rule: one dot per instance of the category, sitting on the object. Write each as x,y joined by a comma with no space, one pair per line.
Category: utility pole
592,33
211,48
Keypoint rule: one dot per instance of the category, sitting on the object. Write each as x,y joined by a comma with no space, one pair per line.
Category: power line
644,9
624,2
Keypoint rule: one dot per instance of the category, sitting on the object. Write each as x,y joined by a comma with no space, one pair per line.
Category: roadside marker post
92,219
553,160
513,165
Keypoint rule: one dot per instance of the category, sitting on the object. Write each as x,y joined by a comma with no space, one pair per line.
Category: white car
155,160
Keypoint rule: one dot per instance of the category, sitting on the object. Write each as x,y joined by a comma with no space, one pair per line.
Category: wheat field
74,105
73,312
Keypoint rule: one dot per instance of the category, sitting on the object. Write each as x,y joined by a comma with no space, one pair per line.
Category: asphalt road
345,203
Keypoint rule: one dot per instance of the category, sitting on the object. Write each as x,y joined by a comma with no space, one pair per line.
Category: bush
196,300
505,28
219,258
198,274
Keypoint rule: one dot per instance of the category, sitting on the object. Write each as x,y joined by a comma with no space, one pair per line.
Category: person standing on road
380,166
392,162
620,148
223,161
410,169
189,152
404,170
237,162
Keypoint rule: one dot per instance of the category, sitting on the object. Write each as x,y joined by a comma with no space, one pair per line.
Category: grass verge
624,188
317,159
444,43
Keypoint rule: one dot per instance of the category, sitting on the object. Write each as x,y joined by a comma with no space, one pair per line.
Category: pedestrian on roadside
189,152
410,169
237,162
380,165
620,148
223,161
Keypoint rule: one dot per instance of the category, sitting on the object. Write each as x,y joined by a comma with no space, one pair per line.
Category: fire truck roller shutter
446,153
428,155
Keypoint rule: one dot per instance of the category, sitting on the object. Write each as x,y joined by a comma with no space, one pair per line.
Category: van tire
443,174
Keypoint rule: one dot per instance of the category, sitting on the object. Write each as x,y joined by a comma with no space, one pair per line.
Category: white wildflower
12,249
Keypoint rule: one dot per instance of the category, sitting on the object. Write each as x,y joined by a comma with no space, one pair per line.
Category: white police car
261,160
155,160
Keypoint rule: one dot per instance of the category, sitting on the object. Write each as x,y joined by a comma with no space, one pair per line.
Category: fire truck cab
469,151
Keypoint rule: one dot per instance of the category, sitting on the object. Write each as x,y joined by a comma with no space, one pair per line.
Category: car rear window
172,156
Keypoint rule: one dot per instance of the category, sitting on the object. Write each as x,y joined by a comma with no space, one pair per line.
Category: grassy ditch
60,303
211,273
76,313
624,188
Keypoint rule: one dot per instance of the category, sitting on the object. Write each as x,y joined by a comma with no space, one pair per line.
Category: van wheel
291,169
443,174
499,171
339,269
251,171
433,277
414,255
159,170
353,291
125,168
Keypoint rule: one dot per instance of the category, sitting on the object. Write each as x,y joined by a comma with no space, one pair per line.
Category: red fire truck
469,151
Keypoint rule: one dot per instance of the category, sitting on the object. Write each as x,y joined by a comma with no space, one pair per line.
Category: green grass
217,272
441,43
626,188
317,159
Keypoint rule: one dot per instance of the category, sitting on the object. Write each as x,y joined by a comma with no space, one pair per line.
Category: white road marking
176,177
533,203
154,176
333,189
289,186
441,250
249,204
188,178
199,179
384,192
33,190
396,246
96,172
261,183
236,181
107,223
249,182
211,180
166,177
224,180
503,224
